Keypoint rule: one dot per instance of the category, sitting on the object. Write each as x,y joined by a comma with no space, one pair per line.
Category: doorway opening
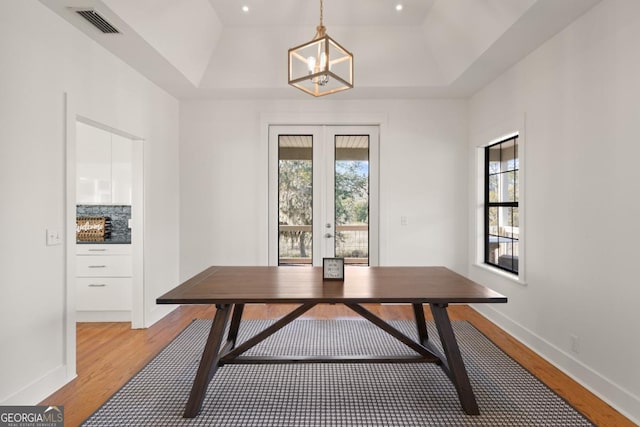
106,183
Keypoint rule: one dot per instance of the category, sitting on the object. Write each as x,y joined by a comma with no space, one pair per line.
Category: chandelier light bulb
311,64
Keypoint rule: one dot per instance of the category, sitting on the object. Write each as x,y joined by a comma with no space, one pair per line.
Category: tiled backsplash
119,214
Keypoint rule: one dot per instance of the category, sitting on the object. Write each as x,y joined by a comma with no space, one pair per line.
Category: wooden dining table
230,288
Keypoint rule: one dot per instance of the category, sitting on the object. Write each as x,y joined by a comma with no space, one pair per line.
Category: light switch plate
54,236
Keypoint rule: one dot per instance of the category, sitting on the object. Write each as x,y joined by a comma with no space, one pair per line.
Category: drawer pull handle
97,266
97,285
97,250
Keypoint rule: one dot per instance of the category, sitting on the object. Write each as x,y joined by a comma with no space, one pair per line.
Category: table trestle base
216,354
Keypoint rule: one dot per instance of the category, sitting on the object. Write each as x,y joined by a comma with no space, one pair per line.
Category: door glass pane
352,198
295,192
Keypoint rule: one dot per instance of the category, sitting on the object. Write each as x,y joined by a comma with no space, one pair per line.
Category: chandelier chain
321,31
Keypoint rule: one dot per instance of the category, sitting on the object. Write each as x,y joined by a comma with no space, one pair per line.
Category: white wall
580,93
223,174
42,57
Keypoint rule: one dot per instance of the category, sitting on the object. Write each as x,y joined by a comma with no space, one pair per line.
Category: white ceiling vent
97,21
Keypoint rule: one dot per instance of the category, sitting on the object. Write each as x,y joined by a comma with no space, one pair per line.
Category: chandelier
321,66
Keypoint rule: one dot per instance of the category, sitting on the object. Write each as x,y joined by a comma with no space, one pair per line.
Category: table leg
209,361
235,324
418,311
457,372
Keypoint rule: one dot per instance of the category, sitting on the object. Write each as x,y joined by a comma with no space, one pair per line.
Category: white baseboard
157,313
619,398
103,316
39,389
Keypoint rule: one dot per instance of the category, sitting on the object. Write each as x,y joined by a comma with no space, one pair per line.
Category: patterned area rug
334,394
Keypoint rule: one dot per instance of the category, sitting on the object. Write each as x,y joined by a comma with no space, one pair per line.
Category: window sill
501,273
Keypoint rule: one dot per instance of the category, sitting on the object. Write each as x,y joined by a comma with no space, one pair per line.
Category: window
501,197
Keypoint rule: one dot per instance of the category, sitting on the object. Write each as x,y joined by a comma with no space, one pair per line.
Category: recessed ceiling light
245,9
398,7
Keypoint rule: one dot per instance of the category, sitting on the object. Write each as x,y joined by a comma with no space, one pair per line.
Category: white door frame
323,149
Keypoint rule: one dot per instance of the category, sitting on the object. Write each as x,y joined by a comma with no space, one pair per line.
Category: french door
323,194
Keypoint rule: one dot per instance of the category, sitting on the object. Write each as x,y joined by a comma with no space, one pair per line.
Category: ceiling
431,48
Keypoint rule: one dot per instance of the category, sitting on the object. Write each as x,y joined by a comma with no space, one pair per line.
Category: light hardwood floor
109,354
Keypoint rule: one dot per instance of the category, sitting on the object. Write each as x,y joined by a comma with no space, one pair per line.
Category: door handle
328,235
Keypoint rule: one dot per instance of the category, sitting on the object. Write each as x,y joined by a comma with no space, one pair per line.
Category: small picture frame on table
333,269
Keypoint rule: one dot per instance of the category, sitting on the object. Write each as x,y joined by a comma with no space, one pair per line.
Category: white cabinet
103,166
121,178
103,266
93,166
104,282
99,294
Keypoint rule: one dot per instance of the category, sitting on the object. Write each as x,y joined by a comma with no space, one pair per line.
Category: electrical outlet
54,236
403,220
575,344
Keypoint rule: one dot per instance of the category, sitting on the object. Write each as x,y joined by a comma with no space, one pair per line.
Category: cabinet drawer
104,249
103,294
103,266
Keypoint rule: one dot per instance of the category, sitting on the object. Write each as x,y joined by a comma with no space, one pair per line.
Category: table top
245,285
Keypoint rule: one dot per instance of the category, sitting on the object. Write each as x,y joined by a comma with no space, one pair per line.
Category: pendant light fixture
321,66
